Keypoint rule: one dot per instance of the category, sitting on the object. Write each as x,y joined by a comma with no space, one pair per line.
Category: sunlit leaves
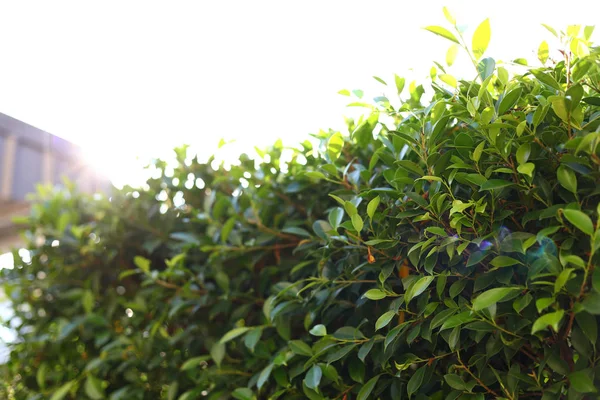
481,39
549,320
443,32
543,52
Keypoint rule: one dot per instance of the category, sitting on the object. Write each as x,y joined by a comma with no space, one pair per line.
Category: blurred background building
28,157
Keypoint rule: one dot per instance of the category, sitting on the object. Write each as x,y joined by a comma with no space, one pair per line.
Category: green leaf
457,320
567,179
543,52
451,54
491,297
350,209
419,287
552,319
562,279
375,294
443,32
372,206
242,394
493,184
335,145
486,68
504,261
378,79
193,362
87,301
264,375
294,230
318,330
481,39
523,153
227,227
300,348
416,380
580,381
217,352
596,279
357,223
313,377
40,375
93,388
509,101
526,169
588,324
251,339
62,391
399,83
455,381
335,217
322,229
384,319
142,263
546,79
449,80
367,388
580,220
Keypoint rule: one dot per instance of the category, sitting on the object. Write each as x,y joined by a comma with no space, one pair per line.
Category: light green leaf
242,394
350,208
217,352
526,169
418,288
318,330
492,296
227,227
449,80
567,179
62,391
451,54
264,375
580,220
399,83
523,153
335,217
142,263
481,39
313,377
335,145
93,388
372,206
552,319
443,32
194,362
357,223
375,294
543,52
384,320
562,279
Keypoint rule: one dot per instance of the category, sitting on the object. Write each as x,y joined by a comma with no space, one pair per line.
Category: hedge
443,249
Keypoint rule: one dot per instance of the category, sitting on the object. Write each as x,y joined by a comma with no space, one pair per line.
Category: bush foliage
443,249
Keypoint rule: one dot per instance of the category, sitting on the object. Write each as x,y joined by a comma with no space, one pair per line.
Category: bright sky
127,78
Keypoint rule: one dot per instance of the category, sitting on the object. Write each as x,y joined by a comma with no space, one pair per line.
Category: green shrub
443,249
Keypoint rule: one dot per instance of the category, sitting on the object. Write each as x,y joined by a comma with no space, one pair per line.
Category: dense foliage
443,249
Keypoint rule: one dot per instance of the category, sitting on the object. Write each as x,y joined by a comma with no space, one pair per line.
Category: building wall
30,156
